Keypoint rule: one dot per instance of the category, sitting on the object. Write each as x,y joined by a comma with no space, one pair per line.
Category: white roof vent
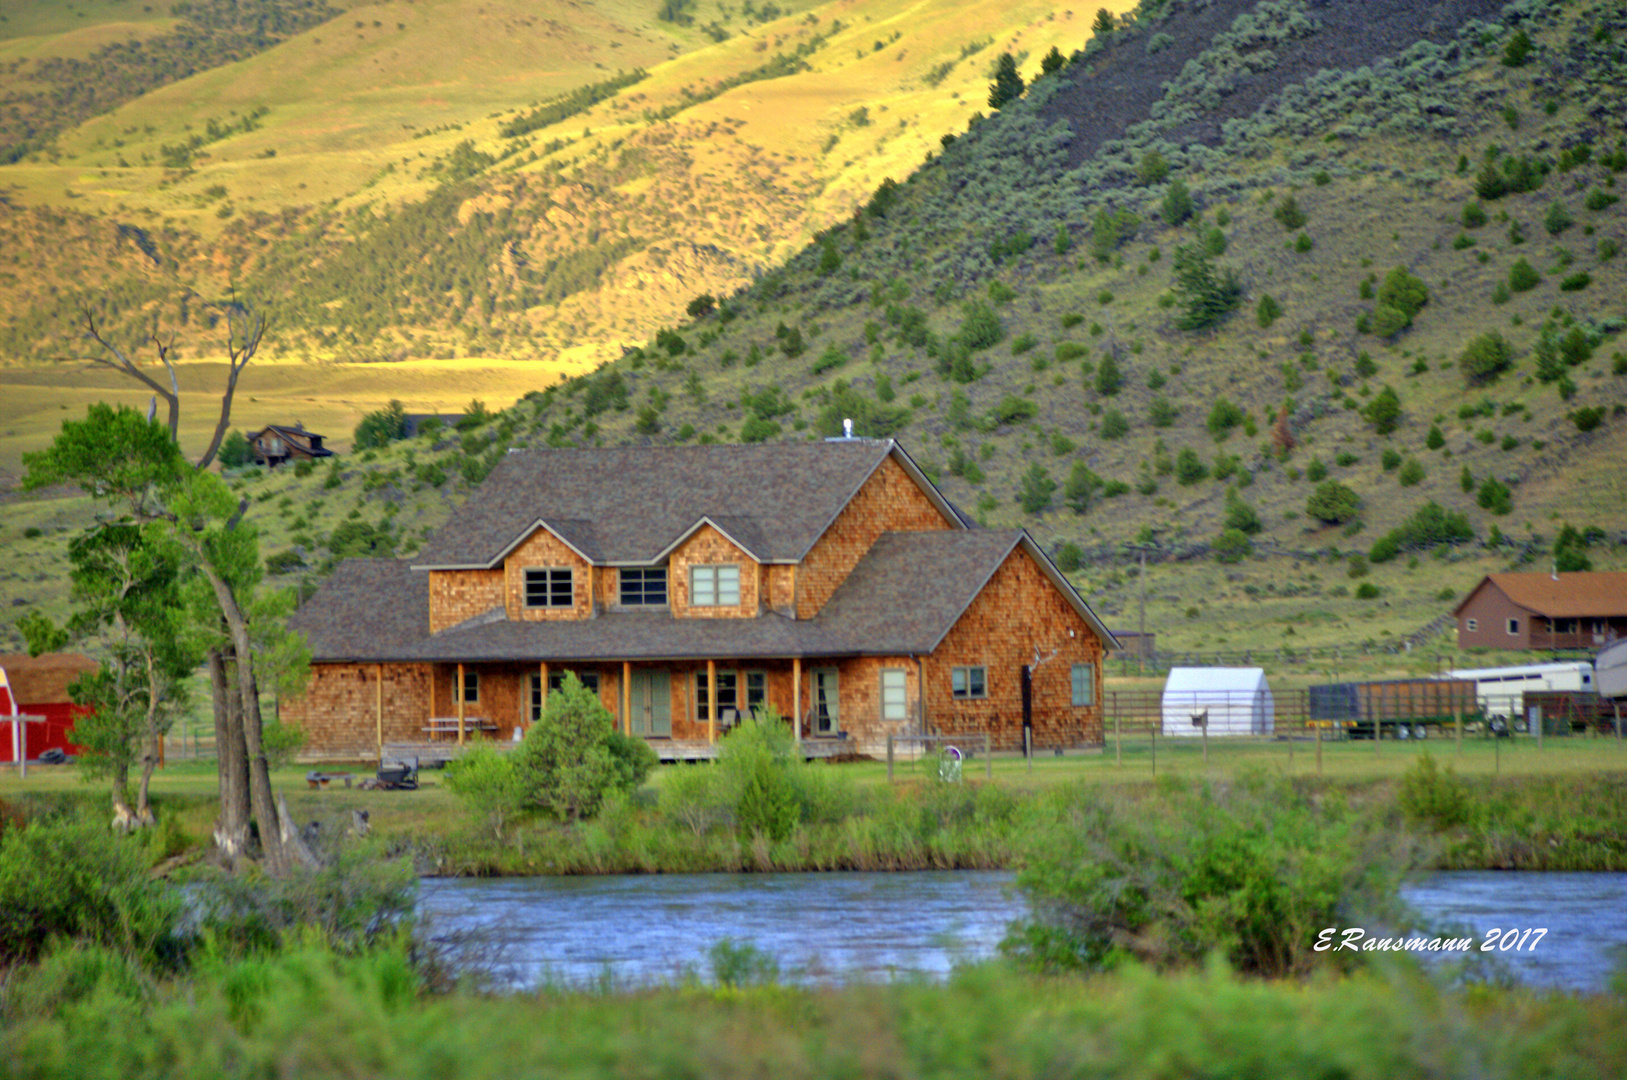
846,435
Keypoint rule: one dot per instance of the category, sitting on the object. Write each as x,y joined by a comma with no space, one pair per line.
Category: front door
651,696
826,713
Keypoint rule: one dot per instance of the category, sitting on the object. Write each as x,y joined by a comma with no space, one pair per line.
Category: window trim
1471,625
546,576
713,573
1089,671
1513,627
641,599
964,674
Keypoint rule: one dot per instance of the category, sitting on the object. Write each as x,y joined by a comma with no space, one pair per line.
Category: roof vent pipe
846,435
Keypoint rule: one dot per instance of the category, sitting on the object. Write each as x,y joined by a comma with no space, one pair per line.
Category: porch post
460,703
544,673
378,708
796,701
627,698
711,702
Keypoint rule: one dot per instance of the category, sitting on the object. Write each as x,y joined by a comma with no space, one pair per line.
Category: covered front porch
681,707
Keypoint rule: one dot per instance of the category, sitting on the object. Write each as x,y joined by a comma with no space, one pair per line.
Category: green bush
1411,474
1252,871
1177,205
1495,496
1431,797
1233,546
1189,468
1429,526
1332,502
1267,311
1384,411
1522,276
77,881
1114,425
1289,215
1485,358
1367,591
980,326
1223,417
1557,219
1474,215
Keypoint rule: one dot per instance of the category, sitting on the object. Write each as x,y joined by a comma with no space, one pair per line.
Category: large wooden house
1576,610
692,586
276,444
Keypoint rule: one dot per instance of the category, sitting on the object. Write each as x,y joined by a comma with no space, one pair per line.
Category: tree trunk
278,839
232,827
124,818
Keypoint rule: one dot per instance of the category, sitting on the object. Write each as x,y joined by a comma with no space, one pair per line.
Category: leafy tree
382,427
1008,84
1177,205
1109,230
1233,546
1037,489
1081,488
1052,62
1483,359
1104,22
1206,296
475,415
565,765
133,464
1332,502
1384,411
235,451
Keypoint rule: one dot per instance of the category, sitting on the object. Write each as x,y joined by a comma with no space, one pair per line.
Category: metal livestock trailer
1397,708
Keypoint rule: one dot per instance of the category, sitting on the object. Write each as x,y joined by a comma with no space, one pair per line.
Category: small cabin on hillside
34,693
275,444
1582,610
691,587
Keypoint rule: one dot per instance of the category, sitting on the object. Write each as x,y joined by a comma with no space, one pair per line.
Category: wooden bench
318,779
443,726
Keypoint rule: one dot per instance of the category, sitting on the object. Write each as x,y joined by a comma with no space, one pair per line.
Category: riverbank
1560,808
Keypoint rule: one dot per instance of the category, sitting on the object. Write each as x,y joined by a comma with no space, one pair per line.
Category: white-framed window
895,702
968,682
1084,684
1513,626
714,586
643,587
550,587
1471,625
471,687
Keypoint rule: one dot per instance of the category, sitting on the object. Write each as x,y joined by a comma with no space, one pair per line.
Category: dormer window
550,587
645,587
714,586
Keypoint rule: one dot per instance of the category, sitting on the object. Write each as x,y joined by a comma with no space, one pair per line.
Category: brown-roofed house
275,444
1584,610
691,586
37,687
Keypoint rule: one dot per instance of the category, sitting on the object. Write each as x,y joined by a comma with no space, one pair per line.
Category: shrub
1430,525
1518,50
1189,469
1233,546
1435,439
1177,205
1390,458
77,881
1411,474
1289,215
1576,282
1114,425
1522,276
980,326
1557,219
1384,411
1036,490
566,766
1485,358
1267,310
1367,591
1316,471
1161,412
1332,502
1251,871
1109,379
1494,495
1474,215
1206,295
1588,417
1069,557
1600,199
1400,297
1435,799
382,427
1223,416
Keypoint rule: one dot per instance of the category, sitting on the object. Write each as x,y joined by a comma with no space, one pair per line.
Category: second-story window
714,586
551,587
644,587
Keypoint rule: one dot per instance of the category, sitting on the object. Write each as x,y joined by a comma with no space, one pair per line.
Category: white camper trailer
1230,701
1502,689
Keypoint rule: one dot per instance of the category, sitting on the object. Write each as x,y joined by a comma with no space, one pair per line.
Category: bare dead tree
245,329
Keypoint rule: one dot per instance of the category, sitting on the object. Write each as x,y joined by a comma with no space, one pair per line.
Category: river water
634,930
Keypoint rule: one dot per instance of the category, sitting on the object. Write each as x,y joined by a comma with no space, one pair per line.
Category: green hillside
1332,343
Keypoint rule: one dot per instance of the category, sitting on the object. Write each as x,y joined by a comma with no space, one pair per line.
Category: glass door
651,696
826,707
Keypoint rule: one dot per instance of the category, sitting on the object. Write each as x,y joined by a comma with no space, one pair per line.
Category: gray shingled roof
903,597
368,609
629,504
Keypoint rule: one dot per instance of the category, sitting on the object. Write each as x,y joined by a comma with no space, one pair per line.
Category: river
633,930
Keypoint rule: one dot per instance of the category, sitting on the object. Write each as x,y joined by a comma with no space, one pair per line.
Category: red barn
37,687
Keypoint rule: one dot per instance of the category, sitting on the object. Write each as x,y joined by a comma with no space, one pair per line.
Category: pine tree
1008,85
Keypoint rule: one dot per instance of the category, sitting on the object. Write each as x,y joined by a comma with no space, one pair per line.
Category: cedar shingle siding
837,556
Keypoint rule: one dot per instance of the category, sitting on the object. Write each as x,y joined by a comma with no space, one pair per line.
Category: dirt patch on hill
1119,86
